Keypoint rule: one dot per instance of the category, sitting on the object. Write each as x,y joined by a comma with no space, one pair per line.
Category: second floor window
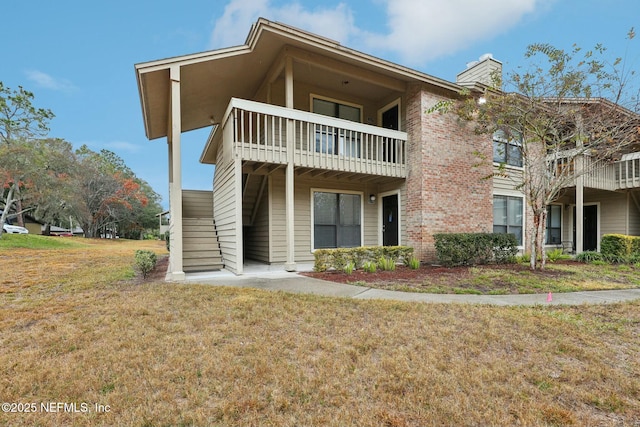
506,150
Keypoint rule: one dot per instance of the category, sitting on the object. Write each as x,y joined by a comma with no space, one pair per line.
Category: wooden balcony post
175,177
290,265
579,218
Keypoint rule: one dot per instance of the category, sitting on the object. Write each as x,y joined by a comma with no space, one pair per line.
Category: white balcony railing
622,174
262,133
627,171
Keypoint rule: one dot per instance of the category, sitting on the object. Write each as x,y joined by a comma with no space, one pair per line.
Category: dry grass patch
168,354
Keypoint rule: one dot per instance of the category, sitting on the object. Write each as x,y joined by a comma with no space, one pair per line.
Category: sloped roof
210,79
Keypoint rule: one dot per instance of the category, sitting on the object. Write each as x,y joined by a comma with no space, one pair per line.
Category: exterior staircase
200,247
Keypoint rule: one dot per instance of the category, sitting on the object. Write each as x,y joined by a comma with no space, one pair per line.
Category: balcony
263,133
619,175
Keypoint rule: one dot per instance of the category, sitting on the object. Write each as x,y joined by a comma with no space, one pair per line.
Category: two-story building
316,145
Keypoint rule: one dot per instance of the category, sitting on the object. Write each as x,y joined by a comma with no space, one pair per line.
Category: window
506,151
554,225
331,140
507,216
336,220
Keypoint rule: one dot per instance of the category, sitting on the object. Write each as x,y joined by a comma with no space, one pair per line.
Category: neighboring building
316,145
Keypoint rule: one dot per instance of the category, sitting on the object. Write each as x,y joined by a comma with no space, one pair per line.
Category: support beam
290,264
579,219
238,233
579,167
175,177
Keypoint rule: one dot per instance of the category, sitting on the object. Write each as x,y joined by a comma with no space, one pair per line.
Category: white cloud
48,82
422,31
232,27
416,31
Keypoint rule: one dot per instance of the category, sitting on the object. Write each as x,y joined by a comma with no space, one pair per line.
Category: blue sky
78,56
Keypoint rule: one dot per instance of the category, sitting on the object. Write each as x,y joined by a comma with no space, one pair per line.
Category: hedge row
326,259
620,248
475,248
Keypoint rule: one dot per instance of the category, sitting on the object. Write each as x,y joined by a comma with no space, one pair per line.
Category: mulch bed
432,273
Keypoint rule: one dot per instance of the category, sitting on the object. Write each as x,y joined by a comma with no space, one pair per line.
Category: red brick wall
446,191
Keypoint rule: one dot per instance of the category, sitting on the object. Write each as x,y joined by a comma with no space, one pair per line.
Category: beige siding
197,204
277,228
225,199
509,182
612,211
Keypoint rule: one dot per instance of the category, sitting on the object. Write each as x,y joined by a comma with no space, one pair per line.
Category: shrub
413,263
616,245
145,261
349,267
167,239
475,248
589,256
337,258
619,248
614,258
634,258
524,258
386,264
556,255
370,267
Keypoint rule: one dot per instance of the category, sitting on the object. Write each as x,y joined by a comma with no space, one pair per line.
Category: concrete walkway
292,282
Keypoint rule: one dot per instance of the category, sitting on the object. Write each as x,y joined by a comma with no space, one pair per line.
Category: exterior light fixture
372,198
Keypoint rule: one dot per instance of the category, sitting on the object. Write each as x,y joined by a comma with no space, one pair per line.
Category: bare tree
569,112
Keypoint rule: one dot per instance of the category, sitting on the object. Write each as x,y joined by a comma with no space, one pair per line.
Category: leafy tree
47,177
20,123
571,111
19,118
37,173
107,191
55,199
142,216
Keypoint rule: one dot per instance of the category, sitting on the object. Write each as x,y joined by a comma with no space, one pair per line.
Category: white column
175,177
237,173
579,219
290,265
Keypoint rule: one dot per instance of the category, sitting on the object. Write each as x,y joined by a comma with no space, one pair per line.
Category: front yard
79,327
